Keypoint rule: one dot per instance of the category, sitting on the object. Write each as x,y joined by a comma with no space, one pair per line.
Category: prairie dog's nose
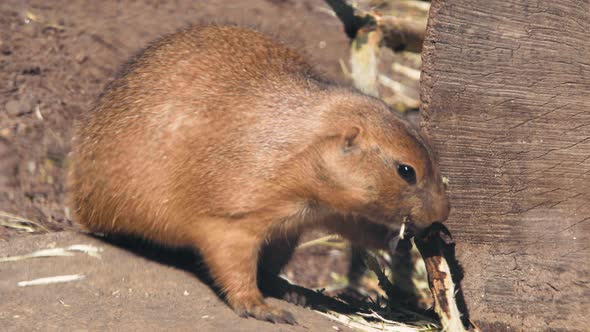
442,209
435,210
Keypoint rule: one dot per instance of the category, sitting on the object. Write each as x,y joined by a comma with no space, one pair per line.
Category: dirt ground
55,58
122,291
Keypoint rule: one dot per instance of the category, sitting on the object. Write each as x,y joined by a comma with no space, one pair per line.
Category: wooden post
506,101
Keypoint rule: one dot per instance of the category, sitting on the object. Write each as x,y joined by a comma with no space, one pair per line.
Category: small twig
372,263
56,252
345,69
408,72
51,280
420,5
398,90
394,242
10,220
326,241
40,253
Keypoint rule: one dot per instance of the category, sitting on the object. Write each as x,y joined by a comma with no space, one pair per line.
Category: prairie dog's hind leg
231,254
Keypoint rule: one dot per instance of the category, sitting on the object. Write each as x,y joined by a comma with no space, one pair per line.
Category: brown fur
219,138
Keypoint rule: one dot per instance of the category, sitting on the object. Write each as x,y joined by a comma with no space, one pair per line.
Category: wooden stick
434,245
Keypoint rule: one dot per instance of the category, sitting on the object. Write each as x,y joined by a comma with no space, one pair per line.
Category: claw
267,313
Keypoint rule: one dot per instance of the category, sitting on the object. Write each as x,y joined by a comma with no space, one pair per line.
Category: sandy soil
127,289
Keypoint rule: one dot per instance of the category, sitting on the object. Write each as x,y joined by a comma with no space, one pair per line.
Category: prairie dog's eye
407,173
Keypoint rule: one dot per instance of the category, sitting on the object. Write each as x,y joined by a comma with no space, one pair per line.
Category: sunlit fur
219,138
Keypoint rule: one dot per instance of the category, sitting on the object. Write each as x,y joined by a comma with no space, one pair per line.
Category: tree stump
506,102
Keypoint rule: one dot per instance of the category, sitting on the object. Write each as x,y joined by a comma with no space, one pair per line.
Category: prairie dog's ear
350,138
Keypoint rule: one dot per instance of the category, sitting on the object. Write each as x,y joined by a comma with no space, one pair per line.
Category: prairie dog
220,138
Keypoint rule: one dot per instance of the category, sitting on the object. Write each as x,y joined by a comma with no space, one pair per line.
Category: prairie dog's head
376,165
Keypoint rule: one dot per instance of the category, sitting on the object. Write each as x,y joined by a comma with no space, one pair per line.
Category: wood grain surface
506,101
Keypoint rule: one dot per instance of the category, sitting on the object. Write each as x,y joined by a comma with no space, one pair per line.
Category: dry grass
21,224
